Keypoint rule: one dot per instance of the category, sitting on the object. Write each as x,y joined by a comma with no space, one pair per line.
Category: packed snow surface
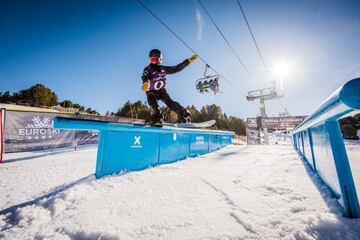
353,152
239,192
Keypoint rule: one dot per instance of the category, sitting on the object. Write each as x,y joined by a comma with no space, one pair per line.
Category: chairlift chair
208,82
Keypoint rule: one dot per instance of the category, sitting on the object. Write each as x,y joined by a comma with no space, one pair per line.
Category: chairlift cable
257,47
253,37
223,36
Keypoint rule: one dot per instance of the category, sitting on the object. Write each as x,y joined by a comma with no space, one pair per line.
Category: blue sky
93,52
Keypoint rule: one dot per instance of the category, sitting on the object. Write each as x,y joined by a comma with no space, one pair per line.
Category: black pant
154,96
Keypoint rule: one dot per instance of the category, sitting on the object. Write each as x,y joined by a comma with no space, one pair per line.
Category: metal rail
319,140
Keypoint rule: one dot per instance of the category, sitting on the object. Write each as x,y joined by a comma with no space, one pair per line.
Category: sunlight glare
281,70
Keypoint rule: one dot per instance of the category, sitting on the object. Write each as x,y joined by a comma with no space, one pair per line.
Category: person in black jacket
154,84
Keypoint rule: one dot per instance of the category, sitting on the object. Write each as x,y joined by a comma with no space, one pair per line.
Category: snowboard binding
184,117
156,118
151,122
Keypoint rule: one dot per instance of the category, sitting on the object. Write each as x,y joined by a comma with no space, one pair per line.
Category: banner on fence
281,123
254,126
30,131
252,131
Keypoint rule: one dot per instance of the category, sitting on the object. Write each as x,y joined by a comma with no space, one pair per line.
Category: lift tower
262,95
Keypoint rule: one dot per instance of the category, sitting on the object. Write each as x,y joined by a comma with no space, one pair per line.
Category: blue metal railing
319,140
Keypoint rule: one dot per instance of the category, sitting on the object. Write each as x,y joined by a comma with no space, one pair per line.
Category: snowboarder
154,84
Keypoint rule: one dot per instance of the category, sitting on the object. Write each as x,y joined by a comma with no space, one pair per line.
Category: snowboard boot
184,117
155,118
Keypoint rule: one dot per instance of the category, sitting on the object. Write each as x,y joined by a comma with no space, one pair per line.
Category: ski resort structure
129,147
264,94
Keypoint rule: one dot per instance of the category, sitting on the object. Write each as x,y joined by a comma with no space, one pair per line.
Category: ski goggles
155,59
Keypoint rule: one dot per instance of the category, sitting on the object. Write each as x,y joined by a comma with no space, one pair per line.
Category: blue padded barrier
199,144
174,146
307,149
128,147
118,145
215,142
319,140
225,140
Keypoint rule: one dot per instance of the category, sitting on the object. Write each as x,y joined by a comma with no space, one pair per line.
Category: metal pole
263,115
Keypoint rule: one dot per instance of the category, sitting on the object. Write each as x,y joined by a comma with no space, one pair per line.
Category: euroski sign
30,131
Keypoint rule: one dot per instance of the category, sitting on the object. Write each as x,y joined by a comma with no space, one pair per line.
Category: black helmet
155,53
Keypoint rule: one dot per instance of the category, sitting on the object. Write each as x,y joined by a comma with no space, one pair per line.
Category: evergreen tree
67,104
76,105
38,96
136,110
349,126
195,114
7,98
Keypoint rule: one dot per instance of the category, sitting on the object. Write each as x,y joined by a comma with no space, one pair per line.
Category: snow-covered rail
128,147
319,140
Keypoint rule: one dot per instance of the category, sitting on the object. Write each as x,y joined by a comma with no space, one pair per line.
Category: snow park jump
129,147
319,140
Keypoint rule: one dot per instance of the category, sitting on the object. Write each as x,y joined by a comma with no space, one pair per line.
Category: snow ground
238,142
353,152
239,192
27,175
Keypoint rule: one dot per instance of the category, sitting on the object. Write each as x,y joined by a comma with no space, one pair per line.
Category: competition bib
158,80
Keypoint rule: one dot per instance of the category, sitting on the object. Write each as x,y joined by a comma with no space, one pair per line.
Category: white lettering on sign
37,131
137,143
137,140
200,140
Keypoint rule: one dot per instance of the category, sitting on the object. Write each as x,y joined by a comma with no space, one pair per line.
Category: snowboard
205,124
138,122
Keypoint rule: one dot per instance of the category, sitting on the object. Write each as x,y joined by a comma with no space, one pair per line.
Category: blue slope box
127,147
